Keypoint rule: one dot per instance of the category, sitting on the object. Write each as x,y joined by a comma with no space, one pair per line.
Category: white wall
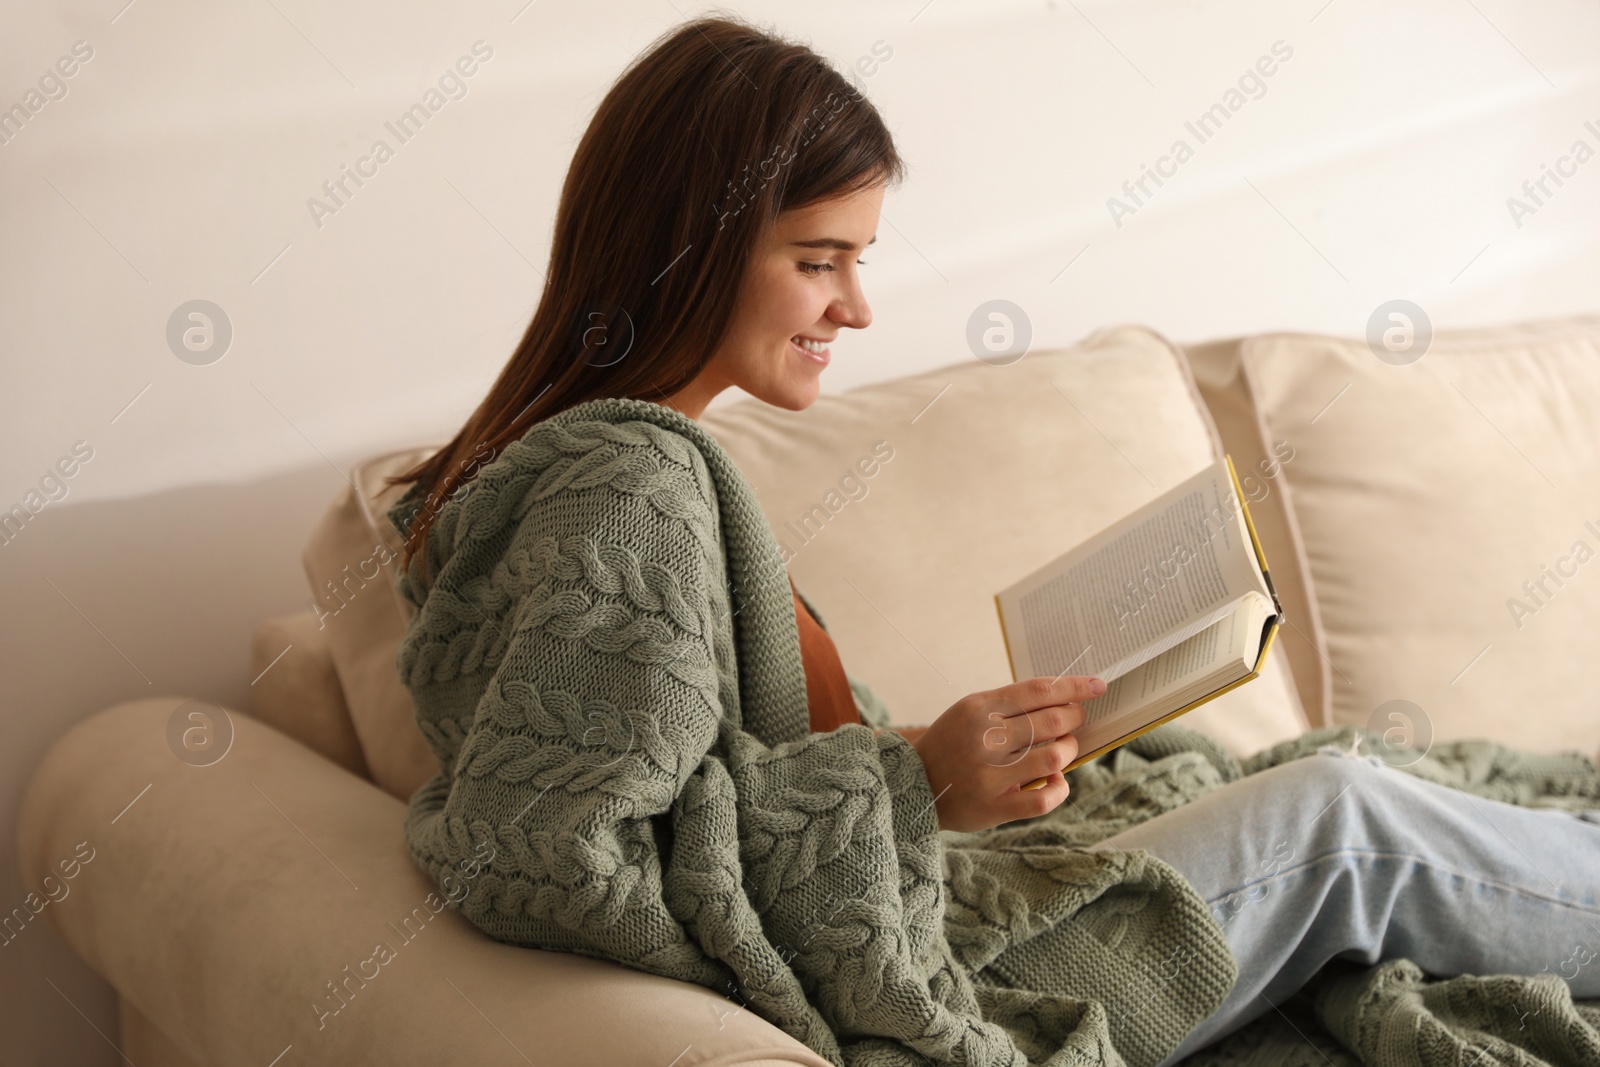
1376,164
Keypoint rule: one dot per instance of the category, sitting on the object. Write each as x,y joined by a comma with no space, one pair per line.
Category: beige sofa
251,899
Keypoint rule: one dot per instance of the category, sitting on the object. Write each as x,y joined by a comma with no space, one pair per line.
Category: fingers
1044,691
1023,732
1047,763
1007,735
1047,759
1029,803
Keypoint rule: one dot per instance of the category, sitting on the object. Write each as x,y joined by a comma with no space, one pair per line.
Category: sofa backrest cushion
905,505
1449,509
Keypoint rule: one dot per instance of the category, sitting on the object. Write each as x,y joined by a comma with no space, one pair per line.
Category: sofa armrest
267,901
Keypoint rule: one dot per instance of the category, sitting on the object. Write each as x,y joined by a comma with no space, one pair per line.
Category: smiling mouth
813,350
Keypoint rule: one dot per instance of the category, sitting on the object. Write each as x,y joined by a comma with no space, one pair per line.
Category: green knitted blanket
606,663
1350,1014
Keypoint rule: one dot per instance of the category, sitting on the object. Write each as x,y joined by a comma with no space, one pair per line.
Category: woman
650,751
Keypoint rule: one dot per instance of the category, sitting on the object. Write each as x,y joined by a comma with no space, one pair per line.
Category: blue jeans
1340,856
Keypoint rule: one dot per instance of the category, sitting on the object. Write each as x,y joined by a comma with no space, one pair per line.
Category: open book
1171,606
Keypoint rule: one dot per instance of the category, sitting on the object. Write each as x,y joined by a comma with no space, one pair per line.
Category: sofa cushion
145,1043
1450,513
1259,459
904,506
351,561
296,689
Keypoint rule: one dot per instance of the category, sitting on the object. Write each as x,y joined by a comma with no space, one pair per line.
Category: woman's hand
981,751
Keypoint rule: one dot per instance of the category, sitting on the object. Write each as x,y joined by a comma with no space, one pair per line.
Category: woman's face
802,286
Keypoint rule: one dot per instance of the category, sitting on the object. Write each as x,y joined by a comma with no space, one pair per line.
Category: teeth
810,346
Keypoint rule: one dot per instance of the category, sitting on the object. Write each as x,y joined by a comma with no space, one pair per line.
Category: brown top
827,688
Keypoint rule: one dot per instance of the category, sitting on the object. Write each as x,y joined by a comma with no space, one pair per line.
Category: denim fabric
1337,855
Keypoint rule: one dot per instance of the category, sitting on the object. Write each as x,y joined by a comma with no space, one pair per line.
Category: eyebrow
831,242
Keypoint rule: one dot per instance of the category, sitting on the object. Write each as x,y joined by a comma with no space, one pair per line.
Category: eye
814,269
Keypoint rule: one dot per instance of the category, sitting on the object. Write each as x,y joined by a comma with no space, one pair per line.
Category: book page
1165,573
1203,662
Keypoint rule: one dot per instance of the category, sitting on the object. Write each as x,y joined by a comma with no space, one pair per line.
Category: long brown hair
706,136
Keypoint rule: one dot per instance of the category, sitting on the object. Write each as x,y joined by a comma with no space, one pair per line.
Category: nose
851,309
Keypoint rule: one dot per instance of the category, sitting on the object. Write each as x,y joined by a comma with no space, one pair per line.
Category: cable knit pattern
606,662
